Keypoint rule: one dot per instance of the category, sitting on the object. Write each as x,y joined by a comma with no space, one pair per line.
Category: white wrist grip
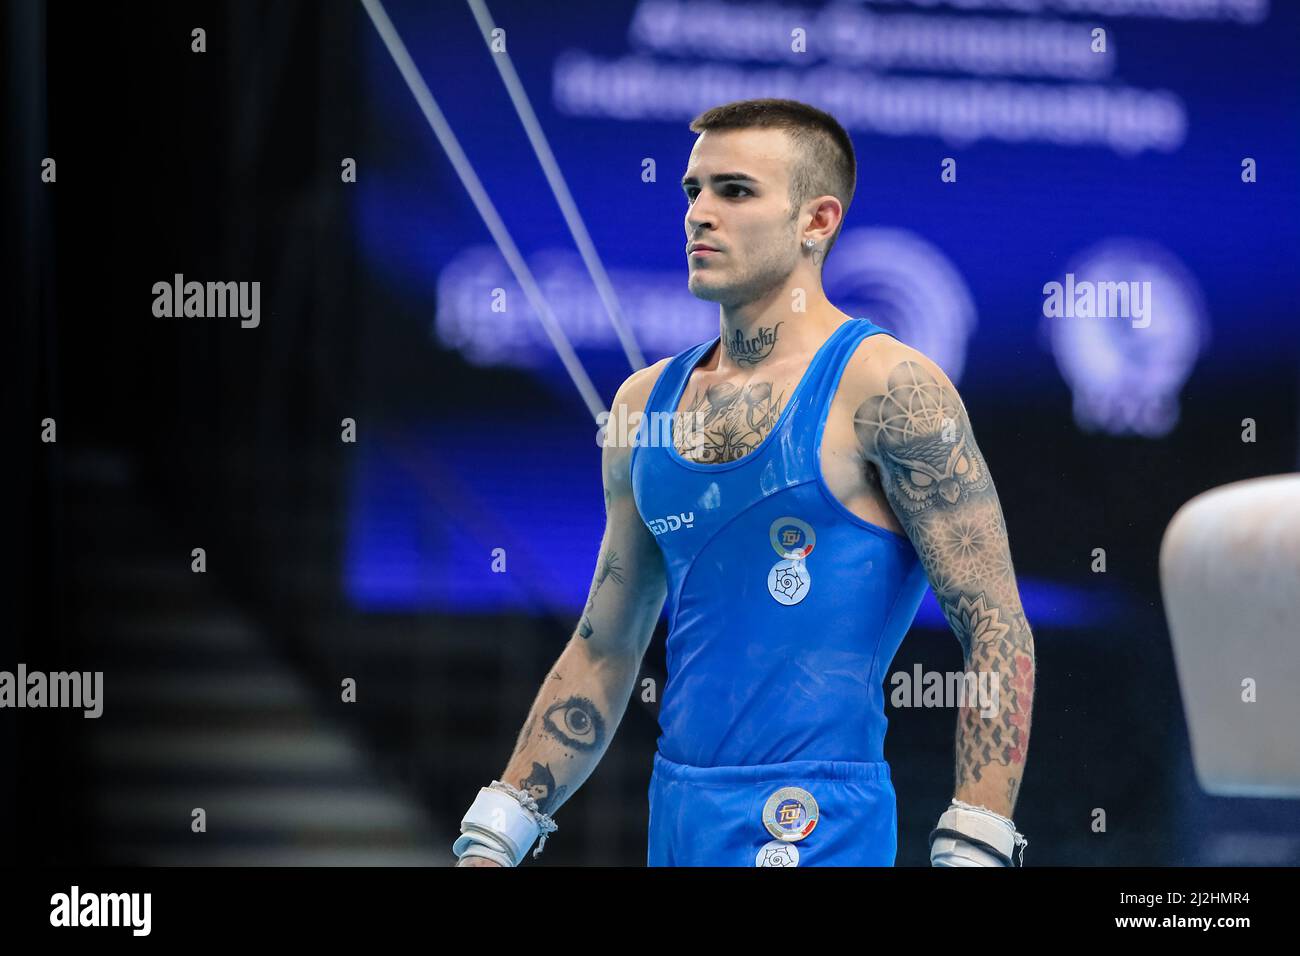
975,836
497,820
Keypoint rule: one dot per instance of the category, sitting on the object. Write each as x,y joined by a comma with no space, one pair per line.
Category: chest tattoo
724,422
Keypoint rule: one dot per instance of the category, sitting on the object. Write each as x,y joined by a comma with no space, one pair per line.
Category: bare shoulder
880,358
636,388
900,395
630,400
625,414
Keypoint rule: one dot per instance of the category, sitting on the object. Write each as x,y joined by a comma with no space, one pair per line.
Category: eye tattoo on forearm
576,723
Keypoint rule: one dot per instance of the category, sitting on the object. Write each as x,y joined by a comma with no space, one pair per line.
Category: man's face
737,184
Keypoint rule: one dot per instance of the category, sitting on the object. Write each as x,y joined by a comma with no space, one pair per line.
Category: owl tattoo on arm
919,431
916,435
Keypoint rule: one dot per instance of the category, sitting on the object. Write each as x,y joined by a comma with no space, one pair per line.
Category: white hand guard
975,836
501,825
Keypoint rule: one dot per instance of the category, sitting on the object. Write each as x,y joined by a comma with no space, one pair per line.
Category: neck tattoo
752,350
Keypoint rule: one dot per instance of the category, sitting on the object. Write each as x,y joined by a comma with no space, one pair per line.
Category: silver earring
808,243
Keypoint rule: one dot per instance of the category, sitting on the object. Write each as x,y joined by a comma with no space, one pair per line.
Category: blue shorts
713,816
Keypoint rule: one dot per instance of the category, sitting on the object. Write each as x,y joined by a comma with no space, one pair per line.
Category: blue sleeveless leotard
784,610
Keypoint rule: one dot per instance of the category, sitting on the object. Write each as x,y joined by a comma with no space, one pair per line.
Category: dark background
223,688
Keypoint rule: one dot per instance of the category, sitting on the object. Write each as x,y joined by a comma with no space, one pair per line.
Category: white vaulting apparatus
1230,574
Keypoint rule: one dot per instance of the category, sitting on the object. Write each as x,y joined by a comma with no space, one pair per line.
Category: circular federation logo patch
777,853
790,814
792,538
788,582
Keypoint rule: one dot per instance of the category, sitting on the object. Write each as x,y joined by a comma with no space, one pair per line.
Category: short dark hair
826,164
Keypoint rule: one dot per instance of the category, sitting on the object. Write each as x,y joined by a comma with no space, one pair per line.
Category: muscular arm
913,430
583,698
